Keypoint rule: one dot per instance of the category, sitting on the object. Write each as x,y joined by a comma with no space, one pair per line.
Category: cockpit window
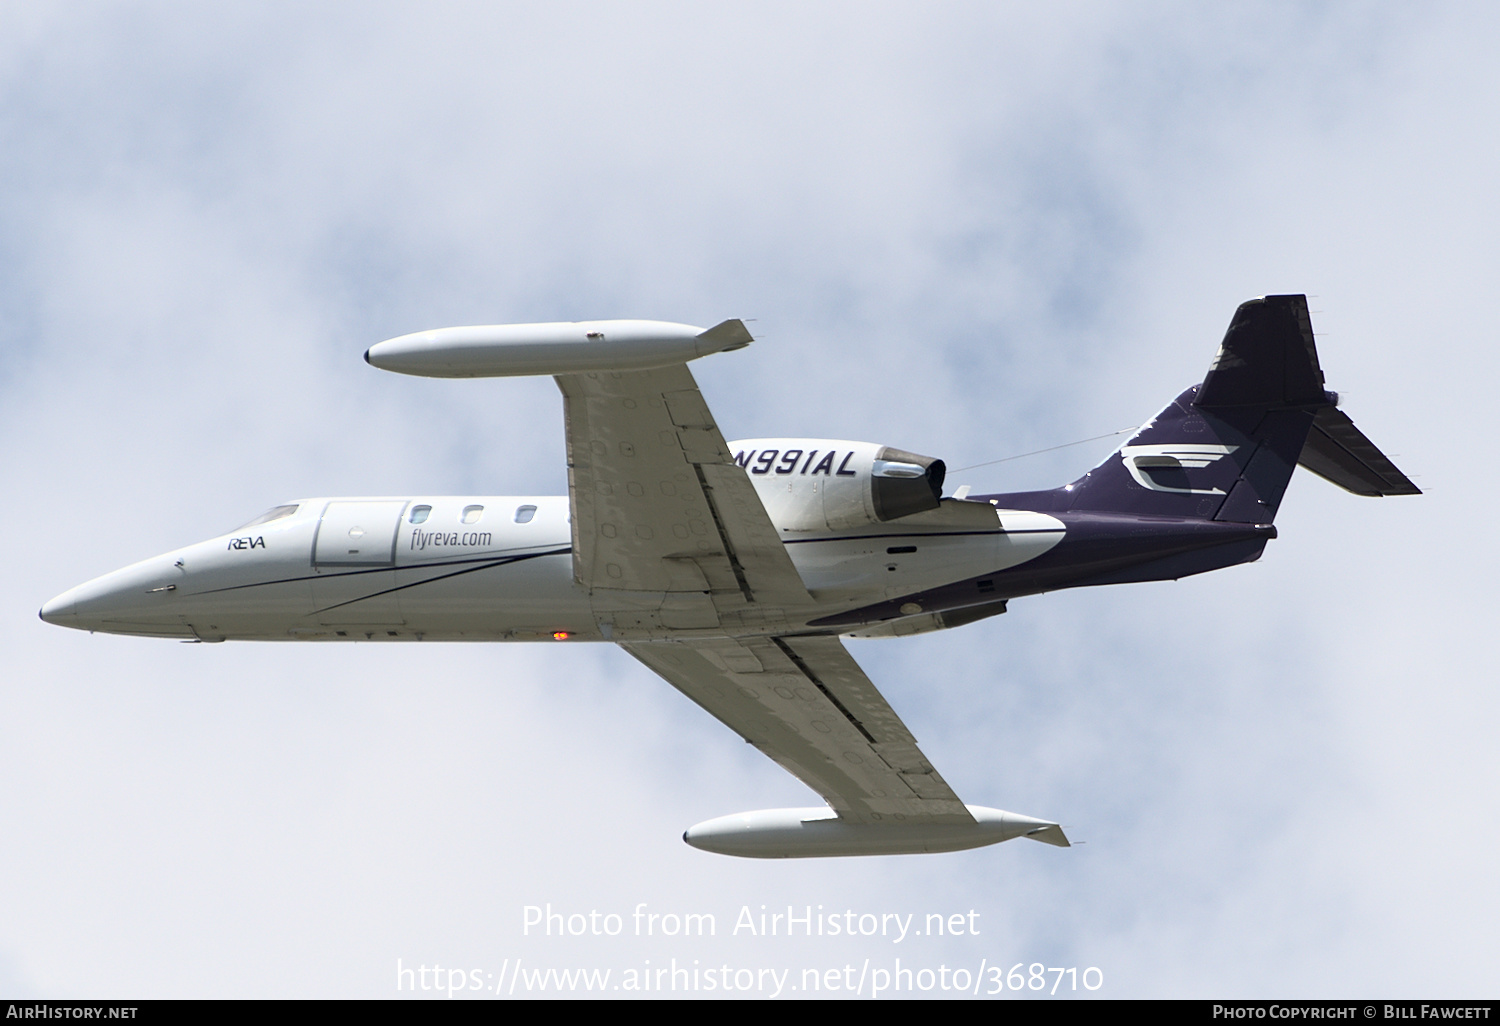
274,513
524,514
472,514
419,514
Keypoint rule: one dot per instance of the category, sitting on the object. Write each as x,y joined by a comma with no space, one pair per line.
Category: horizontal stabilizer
1339,451
819,832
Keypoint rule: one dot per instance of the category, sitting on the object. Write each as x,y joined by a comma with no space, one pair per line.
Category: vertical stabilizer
1224,449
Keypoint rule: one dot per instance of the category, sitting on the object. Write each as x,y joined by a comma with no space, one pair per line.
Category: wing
668,533
805,702
660,508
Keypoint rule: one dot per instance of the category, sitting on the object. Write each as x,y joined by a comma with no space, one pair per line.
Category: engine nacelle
822,484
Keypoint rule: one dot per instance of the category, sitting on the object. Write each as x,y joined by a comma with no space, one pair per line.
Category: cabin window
419,514
471,514
524,514
274,513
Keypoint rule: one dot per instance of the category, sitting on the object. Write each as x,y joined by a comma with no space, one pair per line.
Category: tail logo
1153,466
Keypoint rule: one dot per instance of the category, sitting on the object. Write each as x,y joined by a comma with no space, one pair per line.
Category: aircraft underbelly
358,572
362,597
265,611
522,599
858,569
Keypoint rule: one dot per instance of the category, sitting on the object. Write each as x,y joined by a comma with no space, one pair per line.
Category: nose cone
61,610
136,600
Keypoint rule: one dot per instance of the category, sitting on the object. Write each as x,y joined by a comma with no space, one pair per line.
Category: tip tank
819,832
562,347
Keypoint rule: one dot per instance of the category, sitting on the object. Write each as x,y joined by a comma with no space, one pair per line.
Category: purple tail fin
1207,464
1225,449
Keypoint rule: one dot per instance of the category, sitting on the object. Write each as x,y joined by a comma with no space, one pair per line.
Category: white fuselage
491,569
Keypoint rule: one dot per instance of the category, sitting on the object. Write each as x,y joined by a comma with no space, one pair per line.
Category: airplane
733,569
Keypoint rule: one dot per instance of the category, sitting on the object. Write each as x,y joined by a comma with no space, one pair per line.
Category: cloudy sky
970,231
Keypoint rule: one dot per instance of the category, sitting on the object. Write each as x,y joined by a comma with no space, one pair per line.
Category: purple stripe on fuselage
1098,548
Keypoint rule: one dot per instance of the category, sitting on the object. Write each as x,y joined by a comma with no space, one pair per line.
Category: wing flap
749,536
660,509
805,703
